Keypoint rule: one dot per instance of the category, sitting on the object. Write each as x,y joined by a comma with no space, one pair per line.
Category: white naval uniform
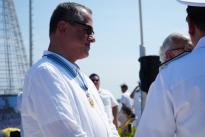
109,102
54,105
176,99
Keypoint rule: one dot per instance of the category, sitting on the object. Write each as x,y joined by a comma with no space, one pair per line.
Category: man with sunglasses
176,99
174,47
58,99
109,101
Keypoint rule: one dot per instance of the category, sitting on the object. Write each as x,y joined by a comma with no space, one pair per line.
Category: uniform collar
162,65
201,43
73,66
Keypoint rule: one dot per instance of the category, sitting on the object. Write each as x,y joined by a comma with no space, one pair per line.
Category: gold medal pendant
90,100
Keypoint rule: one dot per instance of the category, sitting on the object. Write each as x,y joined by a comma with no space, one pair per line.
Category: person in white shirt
109,101
59,100
174,46
126,100
126,112
176,99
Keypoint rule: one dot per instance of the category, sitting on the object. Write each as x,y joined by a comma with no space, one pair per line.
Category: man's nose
91,38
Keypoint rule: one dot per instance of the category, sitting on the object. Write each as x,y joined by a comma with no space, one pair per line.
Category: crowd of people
58,99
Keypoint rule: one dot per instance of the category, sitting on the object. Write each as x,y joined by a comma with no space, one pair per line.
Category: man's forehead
85,12
87,16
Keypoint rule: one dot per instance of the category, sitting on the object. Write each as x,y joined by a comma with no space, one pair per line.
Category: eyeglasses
176,49
88,28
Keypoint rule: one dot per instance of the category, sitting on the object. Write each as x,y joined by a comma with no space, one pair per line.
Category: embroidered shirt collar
73,66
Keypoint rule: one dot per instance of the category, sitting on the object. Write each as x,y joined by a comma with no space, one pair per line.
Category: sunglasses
88,28
176,49
95,80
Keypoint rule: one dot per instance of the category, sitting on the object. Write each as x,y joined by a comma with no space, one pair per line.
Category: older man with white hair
176,99
174,44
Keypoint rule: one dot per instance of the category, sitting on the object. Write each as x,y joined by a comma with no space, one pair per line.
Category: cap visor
196,3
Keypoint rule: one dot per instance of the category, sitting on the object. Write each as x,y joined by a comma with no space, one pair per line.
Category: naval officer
176,99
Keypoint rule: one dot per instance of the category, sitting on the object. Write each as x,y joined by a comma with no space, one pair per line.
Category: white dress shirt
109,102
54,105
127,100
176,99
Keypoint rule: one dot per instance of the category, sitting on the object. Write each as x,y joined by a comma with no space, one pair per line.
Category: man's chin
84,56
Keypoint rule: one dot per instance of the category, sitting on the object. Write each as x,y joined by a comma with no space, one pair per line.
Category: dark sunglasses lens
90,30
95,80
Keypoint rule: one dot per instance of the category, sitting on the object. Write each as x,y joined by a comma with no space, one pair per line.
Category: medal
90,100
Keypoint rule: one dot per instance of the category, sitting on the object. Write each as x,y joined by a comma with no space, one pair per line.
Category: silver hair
169,44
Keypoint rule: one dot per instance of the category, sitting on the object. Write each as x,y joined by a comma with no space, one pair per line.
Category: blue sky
114,55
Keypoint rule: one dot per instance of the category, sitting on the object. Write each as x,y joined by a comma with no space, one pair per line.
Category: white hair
170,43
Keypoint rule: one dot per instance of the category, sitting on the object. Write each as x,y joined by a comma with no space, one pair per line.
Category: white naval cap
195,3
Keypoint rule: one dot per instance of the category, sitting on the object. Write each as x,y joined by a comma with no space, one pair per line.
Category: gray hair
67,11
172,42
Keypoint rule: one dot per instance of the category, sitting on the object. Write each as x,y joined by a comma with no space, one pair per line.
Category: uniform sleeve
158,117
52,106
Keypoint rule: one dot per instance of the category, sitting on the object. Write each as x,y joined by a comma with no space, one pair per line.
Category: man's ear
168,55
61,26
191,26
